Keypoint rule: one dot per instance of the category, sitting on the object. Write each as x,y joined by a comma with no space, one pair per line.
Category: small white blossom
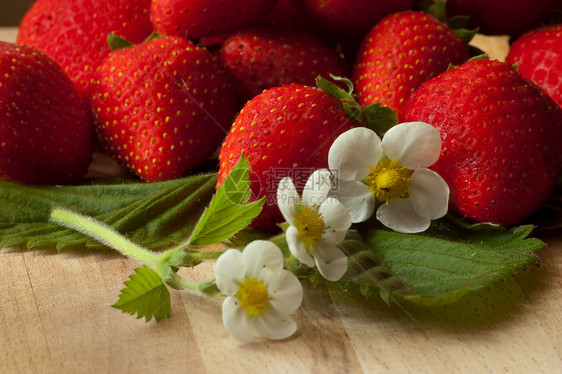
317,224
392,174
260,294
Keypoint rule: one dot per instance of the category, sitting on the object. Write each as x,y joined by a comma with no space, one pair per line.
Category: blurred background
12,11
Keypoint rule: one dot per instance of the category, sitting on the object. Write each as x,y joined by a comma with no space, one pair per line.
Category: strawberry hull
501,135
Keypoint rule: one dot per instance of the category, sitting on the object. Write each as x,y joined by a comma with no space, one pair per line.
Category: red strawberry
501,136
284,131
538,55
45,131
199,18
498,17
162,107
348,19
260,58
74,33
287,14
402,51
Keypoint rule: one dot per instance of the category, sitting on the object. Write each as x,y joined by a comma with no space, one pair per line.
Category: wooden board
55,317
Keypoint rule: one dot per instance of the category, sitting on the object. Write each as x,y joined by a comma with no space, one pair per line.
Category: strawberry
501,135
259,58
402,51
74,32
45,130
287,14
538,56
194,19
348,19
284,131
499,17
162,107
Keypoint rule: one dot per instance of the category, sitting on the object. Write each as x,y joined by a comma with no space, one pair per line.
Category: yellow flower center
253,296
389,180
310,226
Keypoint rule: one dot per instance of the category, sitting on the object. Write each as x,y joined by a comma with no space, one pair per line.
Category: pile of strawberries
239,76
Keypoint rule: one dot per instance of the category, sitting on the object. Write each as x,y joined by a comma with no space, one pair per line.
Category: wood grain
55,316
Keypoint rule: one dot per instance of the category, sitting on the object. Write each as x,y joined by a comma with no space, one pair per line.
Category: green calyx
116,42
375,116
438,9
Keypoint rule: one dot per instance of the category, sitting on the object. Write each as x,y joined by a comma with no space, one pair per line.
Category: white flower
392,174
260,294
317,224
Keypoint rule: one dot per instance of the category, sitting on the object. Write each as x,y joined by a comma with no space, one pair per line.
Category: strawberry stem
104,234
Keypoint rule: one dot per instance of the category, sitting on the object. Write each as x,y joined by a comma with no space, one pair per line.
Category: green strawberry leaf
153,215
228,212
145,295
444,263
367,273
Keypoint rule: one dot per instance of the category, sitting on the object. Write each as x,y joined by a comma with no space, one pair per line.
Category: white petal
229,271
285,291
335,215
331,261
297,247
357,199
317,187
260,256
353,153
236,320
275,325
429,194
415,144
401,216
333,237
288,199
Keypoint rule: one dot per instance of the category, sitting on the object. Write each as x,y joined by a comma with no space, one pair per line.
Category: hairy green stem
205,287
204,255
104,234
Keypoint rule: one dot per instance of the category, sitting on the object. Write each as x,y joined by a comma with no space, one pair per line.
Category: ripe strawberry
501,136
162,107
402,51
498,17
199,18
45,131
538,55
260,58
74,33
287,14
284,131
348,19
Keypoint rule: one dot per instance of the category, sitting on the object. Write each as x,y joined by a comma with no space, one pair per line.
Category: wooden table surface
55,317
